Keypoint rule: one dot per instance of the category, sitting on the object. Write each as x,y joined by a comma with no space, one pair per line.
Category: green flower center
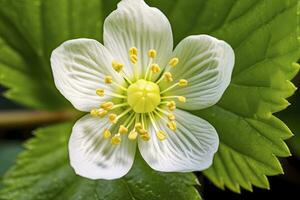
143,96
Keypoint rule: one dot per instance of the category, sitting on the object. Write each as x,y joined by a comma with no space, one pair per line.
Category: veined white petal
190,148
135,24
79,67
207,63
94,157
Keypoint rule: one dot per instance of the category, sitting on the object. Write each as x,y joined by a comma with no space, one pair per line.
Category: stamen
168,76
98,112
123,129
100,92
172,125
132,135
155,68
170,116
116,139
106,134
124,113
133,59
117,66
173,62
181,83
120,105
171,105
161,135
108,79
107,105
133,51
112,118
145,136
152,53
182,99
116,95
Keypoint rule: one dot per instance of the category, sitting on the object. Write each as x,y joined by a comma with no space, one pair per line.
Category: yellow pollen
100,92
94,112
116,139
112,118
117,66
132,135
172,125
182,99
106,134
171,117
138,126
161,135
108,79
168,76
145,136
107,105
152,53
182,82
123,129
133,51
171,105
173,62
133,59
155,68
101,113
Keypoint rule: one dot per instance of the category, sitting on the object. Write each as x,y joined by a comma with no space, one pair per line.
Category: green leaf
43,172
8,153
264,35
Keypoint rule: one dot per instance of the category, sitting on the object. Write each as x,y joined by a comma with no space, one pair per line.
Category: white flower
137,89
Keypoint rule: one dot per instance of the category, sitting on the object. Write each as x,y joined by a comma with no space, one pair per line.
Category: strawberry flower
138,92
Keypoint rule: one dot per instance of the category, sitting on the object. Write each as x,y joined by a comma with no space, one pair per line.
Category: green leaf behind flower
264,35
43,172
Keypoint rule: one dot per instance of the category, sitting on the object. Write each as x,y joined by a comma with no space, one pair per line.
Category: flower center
141,102
143,96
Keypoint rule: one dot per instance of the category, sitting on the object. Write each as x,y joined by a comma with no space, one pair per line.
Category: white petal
79,67
94,157
135,24
207,64
190,148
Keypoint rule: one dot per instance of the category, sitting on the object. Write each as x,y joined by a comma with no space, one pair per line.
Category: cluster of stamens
141,102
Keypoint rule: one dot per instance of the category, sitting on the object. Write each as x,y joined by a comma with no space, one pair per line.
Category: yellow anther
171,105
152,53
182,99
107,105
123,129
172,125
116,139
133,51
100,92
182,82
108,79
161,135
173,62
98,112
101,113
133,59
106,134
168,76
145,136
112,118
117,66
132,135
138,126
94,112
155,68
171,117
